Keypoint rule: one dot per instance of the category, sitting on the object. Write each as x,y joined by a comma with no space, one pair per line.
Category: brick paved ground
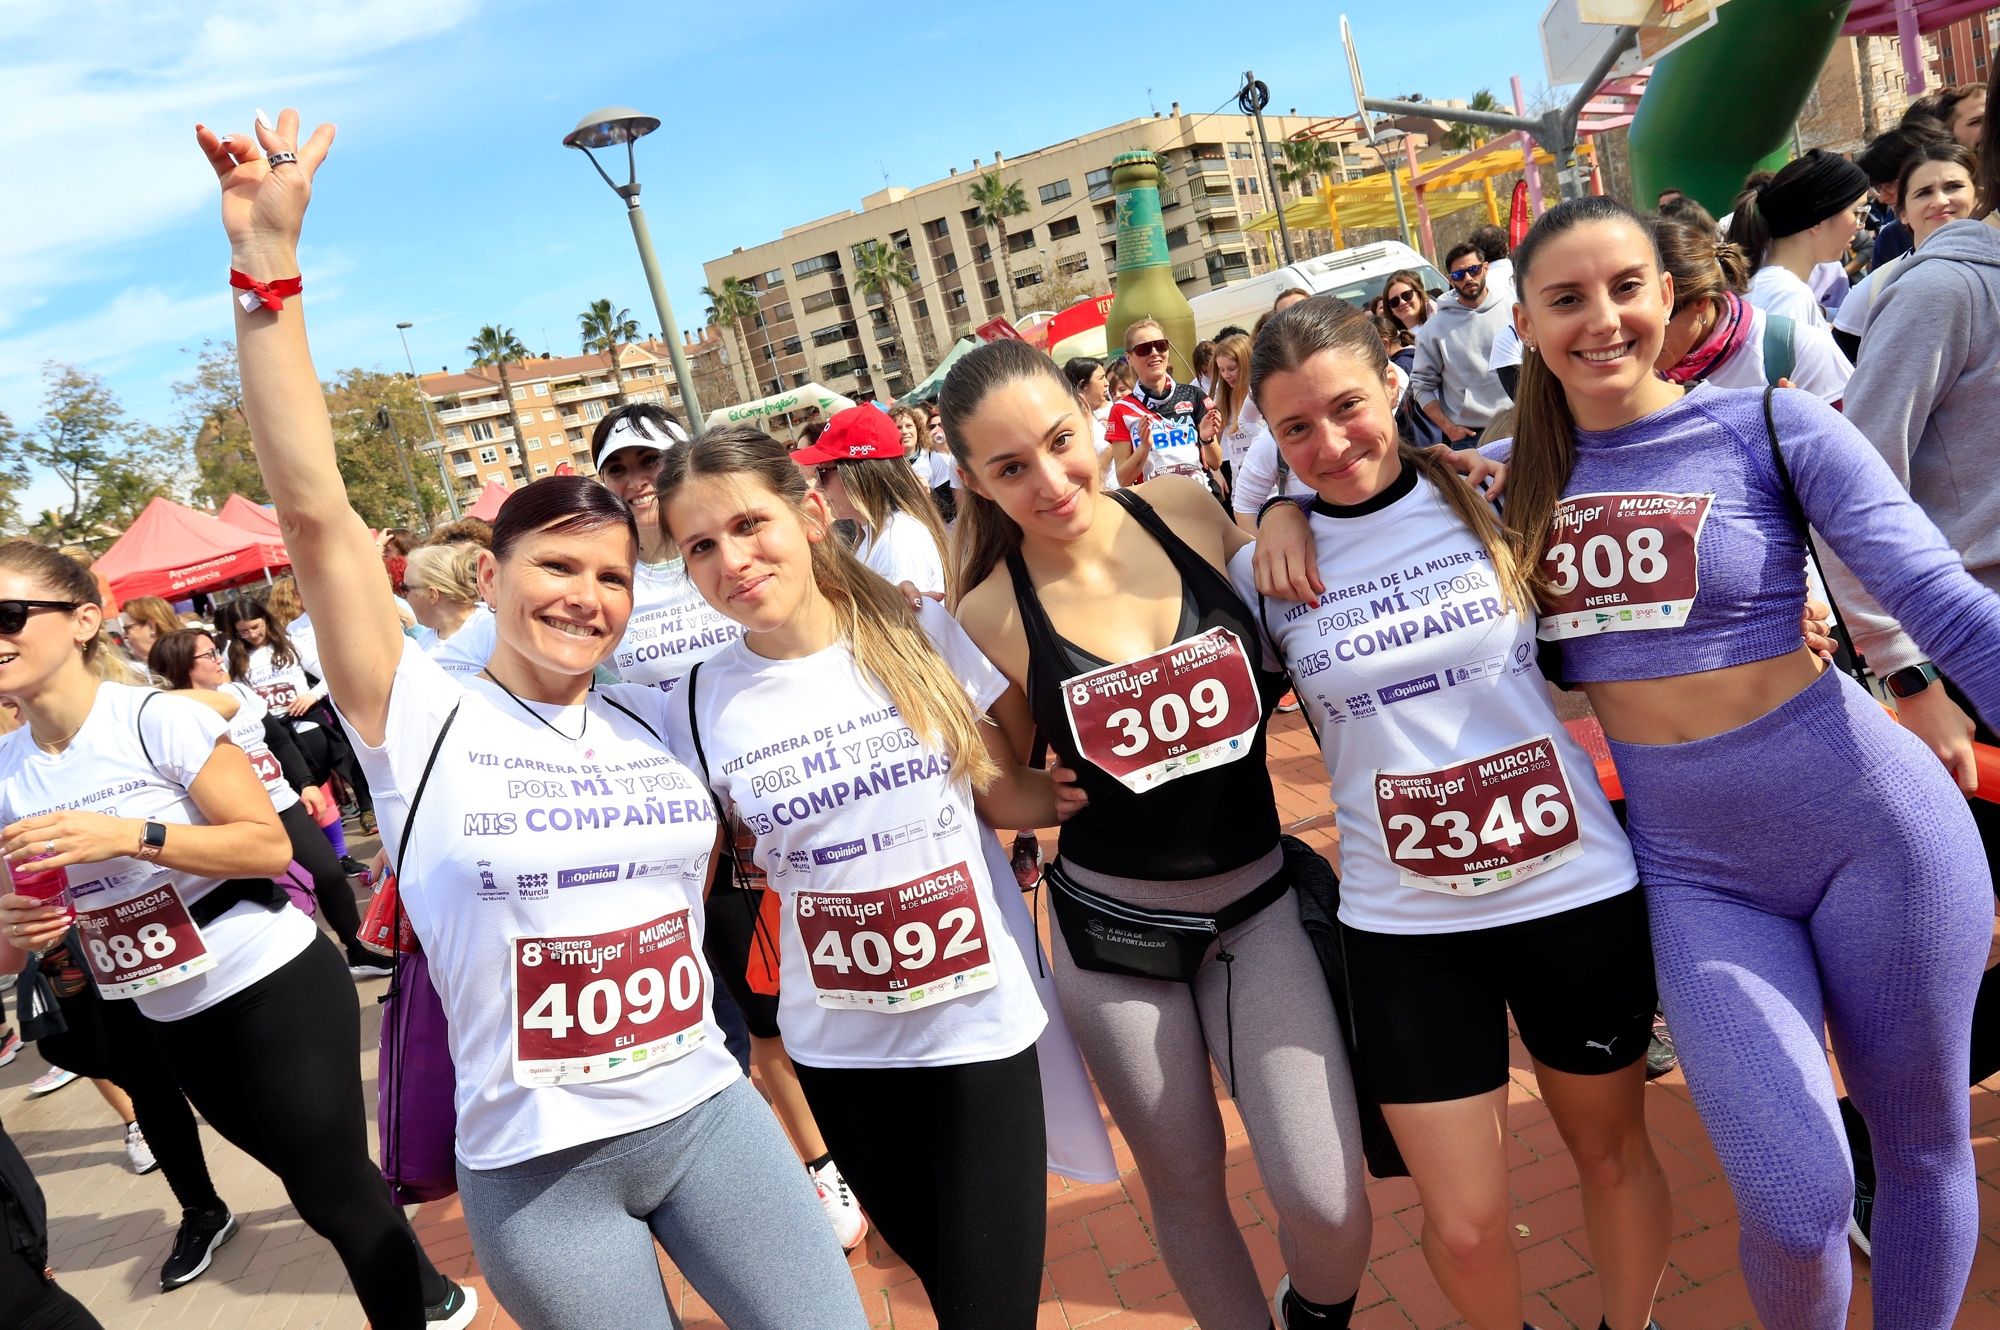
111,1230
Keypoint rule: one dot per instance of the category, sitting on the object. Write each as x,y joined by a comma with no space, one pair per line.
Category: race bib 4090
1622,562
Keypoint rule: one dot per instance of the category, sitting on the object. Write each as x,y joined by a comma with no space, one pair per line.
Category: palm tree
729,305
1305,161
885,270
495,346
603,330
1464,138
994,201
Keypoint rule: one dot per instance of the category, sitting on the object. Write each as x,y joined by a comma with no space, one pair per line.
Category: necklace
576,738
55,744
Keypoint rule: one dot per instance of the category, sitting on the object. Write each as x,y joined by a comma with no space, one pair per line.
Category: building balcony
584,391
501,434
1227,240
466,469
1108,230
1200,168
1188,272
1217,205
473,411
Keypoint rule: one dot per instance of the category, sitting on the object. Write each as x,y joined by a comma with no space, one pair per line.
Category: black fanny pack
235,891
1111,936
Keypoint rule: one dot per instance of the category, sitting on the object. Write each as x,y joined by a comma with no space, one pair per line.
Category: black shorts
731,925
1430,1009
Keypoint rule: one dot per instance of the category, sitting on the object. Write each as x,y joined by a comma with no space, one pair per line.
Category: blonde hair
1230,400
1142,322
154,612
451,570
283,602
884,486
874,620
1327,323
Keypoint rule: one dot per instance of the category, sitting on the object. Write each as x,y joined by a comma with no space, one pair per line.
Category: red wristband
270,295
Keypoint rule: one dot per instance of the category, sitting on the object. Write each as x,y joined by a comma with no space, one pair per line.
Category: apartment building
811,326
557,401
1964,47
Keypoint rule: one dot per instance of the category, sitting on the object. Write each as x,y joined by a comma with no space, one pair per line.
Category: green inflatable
1723,105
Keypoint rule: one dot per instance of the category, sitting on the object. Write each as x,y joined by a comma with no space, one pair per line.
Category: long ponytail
874,620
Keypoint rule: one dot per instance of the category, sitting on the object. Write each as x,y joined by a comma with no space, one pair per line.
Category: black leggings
949,1162
336,899
276,1069
28,1299
327,753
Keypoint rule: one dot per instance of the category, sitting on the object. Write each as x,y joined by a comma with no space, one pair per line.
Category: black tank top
1204,822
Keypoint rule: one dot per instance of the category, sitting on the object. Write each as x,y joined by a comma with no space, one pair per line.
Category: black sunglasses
14,613
1158,348
826,471
1469,270
1403,298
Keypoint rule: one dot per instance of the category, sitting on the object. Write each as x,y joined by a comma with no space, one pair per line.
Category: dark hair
1702,266
69,579
810,434
1416,283
559,506
1459,251
1882,160
229,616
1748,226
1940,150
1388,329
1079,369
1204,356
1666,196
1949,99
655,420
1684,209
1989,144
1491,242
984,535
1544,431
172,657
1325,323
1230,330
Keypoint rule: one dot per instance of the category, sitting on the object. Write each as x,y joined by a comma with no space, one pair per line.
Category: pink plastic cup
47,885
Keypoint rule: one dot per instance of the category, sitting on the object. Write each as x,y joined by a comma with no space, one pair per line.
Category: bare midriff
1684,707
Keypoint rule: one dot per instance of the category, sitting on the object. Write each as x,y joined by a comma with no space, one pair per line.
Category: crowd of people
701,766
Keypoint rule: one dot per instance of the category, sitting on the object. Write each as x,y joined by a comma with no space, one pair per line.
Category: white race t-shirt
903,551
933,469
279,685
1258,476
105,770
1463,802
1237,440
1818,364
671,627
246,731
1098,420
467,650
1776,291
1854,310
525,834
875,852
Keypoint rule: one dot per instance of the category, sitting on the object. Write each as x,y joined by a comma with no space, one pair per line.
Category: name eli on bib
897,948
1185,707
144,943
1481,825
1622,562
608,1005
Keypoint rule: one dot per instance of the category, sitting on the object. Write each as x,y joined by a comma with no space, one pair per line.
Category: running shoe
138,1154
10,1046
366,966
353,867
1288,703
849,1224
1863,1216
1660,1055
456,1311
368,827
55,1078
202,1231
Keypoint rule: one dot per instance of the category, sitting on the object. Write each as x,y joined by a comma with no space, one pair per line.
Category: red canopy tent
487,506
174,551
260,522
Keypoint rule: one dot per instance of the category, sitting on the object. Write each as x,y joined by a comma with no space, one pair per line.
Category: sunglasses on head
1469,270
14,613
1403,298
1155,348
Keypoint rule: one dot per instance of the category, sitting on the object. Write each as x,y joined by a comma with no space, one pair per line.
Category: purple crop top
1679,552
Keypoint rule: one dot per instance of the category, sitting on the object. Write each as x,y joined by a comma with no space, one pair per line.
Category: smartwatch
1911,679
152,840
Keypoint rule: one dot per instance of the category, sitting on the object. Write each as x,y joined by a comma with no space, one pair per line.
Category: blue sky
449,201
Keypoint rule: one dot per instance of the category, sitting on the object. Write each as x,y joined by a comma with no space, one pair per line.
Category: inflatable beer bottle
1145,288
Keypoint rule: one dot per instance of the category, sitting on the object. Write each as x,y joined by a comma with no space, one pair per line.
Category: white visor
634,432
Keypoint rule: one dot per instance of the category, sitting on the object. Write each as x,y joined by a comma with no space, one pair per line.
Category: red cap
855,434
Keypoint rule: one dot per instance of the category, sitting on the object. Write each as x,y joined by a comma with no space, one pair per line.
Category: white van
1355,275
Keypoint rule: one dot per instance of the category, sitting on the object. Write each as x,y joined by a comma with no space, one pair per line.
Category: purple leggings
1817,868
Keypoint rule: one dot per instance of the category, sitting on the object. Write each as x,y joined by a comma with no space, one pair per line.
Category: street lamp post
384,421
1393,138
437,444
603,128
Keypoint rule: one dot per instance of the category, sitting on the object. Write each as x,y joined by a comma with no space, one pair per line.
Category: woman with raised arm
552,856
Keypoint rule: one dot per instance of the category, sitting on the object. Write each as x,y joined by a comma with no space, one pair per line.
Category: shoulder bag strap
423,781
643,723
1849,660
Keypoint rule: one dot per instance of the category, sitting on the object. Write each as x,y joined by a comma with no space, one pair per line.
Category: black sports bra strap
643,723
1186,560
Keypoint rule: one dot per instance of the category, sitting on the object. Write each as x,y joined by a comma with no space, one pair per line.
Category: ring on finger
278,159
48,848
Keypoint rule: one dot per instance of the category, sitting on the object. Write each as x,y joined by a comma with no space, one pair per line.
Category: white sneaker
849,1224
138,1154
55,1078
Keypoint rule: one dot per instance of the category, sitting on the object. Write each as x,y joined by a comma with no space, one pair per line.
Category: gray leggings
565,1240
1149,1043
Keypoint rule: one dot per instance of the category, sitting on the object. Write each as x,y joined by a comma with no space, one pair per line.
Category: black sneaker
456,1311
353,867
1864,1214
202,1231
1660,1055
